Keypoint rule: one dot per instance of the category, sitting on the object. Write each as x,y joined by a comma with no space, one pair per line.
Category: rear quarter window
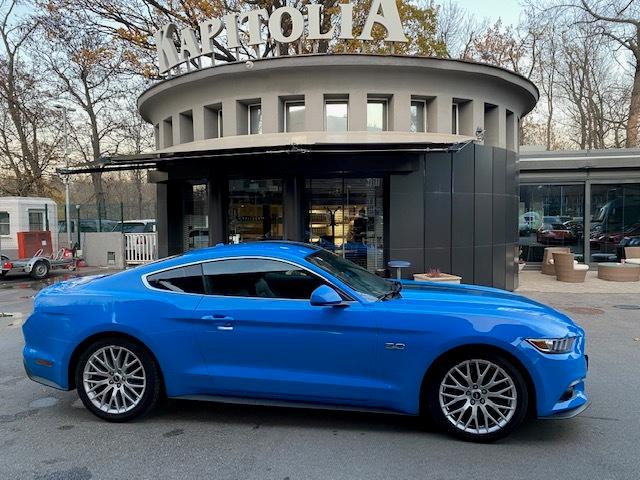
182,280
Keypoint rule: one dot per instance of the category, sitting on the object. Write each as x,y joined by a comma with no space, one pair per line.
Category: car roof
267,247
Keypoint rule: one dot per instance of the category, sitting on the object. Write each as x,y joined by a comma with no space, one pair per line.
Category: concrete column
218,199
198,123
502,127
491,125
358,111
439,114
314,112
270,114
230,117
512,141
399,112
176,129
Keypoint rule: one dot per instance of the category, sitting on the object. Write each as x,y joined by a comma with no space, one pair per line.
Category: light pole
66,109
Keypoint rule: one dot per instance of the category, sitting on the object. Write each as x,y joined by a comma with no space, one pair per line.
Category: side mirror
325,296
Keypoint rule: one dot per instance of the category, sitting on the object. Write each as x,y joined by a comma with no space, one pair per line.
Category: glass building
588,201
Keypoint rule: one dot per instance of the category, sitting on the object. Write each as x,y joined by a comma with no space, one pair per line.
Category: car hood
473,301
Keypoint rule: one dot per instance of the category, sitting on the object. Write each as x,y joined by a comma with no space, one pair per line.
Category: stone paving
534,281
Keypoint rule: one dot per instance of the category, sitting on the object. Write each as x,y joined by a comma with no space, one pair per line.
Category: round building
376,158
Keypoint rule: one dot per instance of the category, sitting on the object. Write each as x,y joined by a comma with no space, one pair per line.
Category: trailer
39,266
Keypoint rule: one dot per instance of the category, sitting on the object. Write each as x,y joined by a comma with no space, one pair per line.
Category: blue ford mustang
289,323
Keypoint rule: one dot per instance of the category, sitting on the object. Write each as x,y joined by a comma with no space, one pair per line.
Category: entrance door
346,217
255,210
261,337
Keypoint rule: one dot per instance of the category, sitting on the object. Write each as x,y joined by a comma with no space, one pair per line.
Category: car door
261,337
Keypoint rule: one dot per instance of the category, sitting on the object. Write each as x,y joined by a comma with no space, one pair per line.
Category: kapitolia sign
193,45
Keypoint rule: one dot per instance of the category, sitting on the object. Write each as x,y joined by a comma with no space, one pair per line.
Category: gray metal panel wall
499,216
405,219
462,214
483,214
437,218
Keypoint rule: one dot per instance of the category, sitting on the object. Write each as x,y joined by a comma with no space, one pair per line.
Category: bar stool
399,265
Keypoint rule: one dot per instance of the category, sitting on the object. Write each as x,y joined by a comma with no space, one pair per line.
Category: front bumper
559,381
564,414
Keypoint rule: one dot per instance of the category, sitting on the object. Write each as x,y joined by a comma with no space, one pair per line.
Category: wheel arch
478,348
81,347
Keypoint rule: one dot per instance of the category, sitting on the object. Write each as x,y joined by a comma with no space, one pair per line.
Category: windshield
359,279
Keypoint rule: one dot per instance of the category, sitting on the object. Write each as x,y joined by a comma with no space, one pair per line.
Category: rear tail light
7,266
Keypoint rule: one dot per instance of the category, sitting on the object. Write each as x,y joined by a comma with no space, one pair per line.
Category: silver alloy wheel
114,379
478,396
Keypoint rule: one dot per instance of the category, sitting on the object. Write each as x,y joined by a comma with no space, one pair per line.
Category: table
618,272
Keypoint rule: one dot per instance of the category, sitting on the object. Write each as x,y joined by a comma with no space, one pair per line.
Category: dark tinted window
259,278
183,279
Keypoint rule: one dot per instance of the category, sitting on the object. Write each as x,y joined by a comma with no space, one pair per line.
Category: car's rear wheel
117,380
479,397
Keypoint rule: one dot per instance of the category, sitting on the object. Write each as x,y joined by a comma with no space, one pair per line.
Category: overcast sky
508,10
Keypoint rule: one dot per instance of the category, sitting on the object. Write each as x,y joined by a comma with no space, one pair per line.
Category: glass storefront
615,220
550,215
196,220
346,217
255,210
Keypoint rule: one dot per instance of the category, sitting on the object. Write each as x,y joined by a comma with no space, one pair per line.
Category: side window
259,278
183,280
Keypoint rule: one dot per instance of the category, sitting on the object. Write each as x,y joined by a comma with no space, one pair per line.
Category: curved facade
393,158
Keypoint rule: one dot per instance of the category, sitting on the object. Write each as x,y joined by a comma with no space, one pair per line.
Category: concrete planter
443,278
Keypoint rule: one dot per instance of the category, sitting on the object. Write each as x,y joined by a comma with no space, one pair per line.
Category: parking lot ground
47,434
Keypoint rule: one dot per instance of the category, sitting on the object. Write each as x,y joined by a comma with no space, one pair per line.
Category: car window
182,280
356,277
259,278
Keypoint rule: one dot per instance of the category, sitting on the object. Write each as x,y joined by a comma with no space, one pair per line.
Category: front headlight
553,345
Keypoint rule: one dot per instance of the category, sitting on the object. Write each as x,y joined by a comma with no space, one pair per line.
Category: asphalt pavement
47,434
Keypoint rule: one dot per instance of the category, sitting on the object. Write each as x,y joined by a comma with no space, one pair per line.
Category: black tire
40,270
436,409
150,395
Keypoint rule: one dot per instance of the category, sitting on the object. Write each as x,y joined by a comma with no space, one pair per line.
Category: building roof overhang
280,144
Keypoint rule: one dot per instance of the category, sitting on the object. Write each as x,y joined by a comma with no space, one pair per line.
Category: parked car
298,325
88,225
554,233
135,226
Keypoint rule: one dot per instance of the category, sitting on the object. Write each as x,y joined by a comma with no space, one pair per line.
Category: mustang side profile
291,324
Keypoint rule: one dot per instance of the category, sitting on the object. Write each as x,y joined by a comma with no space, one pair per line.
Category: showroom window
336,115
255,119
294,116
346,216
180,280
259,278
255,210
4,223
550,216
615,220
418,116
377,114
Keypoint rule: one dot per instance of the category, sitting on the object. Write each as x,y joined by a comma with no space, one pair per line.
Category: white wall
97,245
18,209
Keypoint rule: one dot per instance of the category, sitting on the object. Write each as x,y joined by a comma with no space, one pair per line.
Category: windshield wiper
393,293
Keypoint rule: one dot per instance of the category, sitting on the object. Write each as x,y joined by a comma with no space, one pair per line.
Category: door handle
217,317
225,328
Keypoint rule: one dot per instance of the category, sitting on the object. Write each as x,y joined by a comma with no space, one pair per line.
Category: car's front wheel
117,380
480,397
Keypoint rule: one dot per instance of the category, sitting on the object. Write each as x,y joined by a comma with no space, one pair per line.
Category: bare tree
619,20
85,66
23,149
